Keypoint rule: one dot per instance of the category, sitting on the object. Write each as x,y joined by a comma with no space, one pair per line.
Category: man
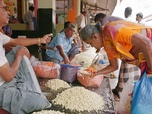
62,48
18,92
80,20
135,47
8,31
126,70
104,19
28,19
128,13
139,17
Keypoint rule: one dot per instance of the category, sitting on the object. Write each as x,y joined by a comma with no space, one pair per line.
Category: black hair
31,8
140,15
83,12
99,26
98,16
68,24
128,12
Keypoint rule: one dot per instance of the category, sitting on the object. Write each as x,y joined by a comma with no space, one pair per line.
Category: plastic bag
124,104
142,96
46,69
101,60
90,81
68,72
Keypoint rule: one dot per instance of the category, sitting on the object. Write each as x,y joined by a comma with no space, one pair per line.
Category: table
104,90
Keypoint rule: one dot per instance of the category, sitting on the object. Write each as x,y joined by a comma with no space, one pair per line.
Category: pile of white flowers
79,99
48,112
57,84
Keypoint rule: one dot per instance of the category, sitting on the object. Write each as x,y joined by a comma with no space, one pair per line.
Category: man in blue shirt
62,48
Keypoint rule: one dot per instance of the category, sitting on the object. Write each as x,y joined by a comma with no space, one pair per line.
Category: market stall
69,91
104,90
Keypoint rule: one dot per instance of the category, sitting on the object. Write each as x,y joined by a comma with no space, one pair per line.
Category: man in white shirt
18,94
28,18
128,13
80,20
139,19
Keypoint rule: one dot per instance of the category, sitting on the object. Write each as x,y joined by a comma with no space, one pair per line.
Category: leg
73,51
24,87
126,71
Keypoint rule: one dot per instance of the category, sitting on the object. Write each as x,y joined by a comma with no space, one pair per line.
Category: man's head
31,8
69,29
139,17
67,24
128,12
91,35
4,14
84,13
99,17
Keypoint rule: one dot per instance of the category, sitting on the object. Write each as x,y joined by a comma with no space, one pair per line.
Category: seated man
19,91
62,48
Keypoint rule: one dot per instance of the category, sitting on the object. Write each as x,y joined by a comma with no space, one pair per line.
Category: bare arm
9,71
30,41
110,68
145,46
62,53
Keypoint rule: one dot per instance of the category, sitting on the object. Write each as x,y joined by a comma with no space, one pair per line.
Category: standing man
80,20
139,17
128,13
28,19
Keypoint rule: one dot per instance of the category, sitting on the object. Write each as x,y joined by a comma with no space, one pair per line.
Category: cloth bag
142,96
68,72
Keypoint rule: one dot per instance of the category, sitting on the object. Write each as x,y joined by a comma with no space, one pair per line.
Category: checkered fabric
126,71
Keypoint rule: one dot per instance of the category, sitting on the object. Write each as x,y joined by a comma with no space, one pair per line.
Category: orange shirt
117,38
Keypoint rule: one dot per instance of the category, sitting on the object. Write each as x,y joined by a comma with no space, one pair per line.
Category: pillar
36,7
72,12
78,7
46,17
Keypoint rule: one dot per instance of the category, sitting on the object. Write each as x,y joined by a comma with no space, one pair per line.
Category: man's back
28,17
80,20
108,19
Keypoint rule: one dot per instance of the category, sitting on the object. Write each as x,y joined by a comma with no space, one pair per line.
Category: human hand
91,72
149,73
66,61
8,48
46,38
23,51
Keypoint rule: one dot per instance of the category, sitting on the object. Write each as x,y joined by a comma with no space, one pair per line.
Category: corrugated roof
104,6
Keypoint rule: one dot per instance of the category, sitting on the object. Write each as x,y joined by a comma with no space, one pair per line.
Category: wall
12,4
72,13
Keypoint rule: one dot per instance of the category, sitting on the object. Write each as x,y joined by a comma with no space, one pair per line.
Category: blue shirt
61,40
